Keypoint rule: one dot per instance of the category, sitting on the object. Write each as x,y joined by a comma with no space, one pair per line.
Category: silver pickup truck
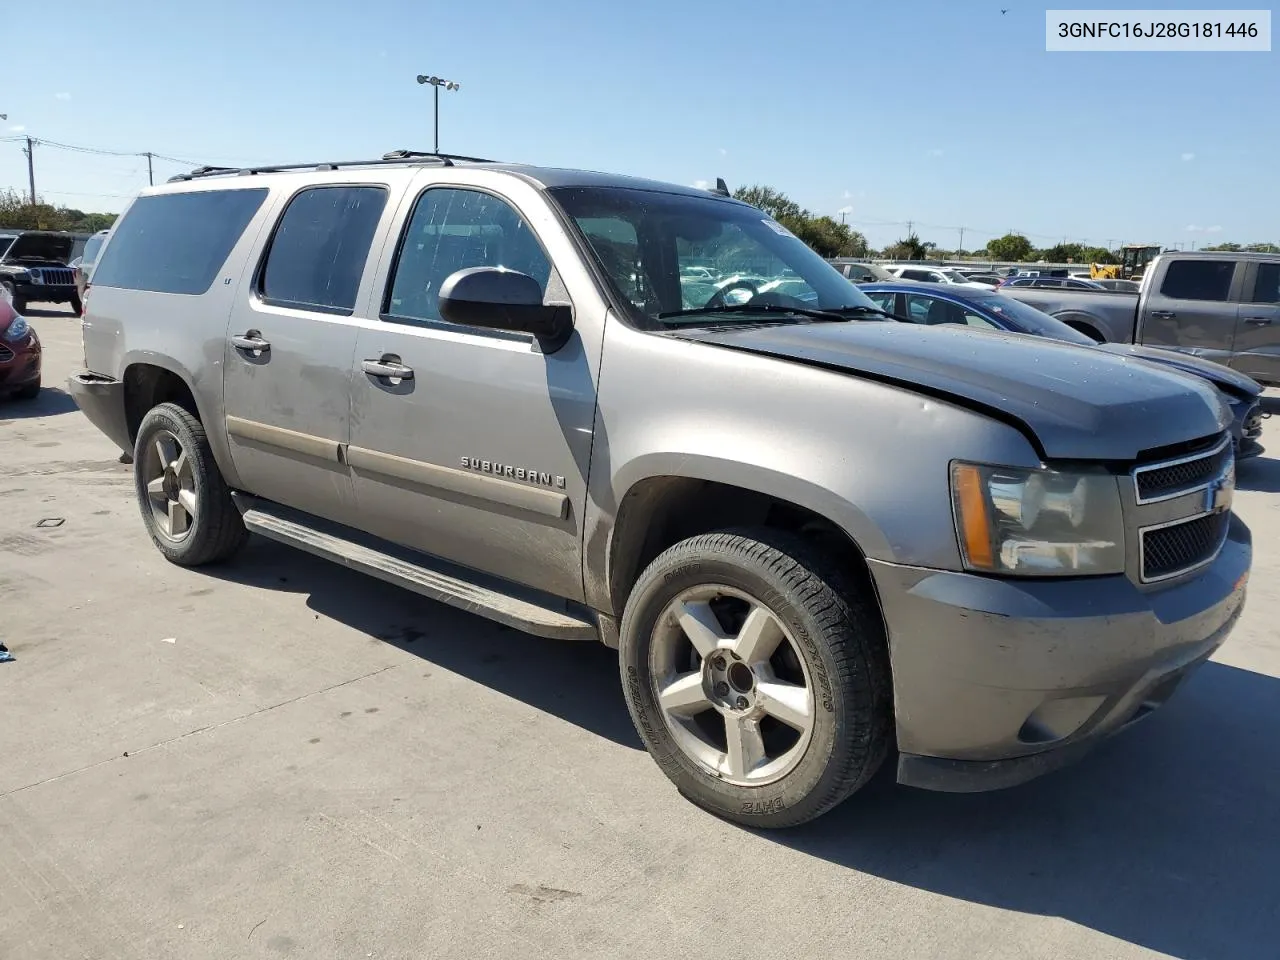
1224,307
817,539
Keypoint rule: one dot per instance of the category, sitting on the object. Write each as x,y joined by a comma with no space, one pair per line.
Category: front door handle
1258,321
389,367
251,340
1163,314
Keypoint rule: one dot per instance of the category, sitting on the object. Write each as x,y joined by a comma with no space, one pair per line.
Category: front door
470,444
1195,309
1257,347
288,353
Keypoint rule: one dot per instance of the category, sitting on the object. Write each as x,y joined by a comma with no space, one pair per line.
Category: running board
437,581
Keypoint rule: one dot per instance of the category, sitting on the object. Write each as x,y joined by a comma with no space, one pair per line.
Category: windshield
954,276
1027,319
41,246
648,243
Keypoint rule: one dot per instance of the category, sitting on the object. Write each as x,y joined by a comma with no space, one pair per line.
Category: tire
831,640
187,484
28,392
76,306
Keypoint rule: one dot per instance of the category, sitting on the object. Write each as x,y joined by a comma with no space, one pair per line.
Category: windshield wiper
828,316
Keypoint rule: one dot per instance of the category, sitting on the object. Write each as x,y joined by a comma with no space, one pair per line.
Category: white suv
944,275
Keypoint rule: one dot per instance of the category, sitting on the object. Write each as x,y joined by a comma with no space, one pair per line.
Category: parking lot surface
283,758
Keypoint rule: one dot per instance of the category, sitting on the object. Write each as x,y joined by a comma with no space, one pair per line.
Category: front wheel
185,503
76,306
757,675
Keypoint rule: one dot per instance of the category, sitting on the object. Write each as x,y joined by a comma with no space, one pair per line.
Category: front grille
5,354
1174,478
1182,546
53,276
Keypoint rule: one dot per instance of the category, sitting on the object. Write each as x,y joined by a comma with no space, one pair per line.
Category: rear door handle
1163,314
389,367
252,340
1258,321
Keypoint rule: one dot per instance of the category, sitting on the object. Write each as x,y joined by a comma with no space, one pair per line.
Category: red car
19,355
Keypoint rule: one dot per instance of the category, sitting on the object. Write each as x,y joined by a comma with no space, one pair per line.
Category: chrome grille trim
1170,493
1203,561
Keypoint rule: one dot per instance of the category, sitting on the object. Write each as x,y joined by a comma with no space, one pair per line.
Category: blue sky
947,114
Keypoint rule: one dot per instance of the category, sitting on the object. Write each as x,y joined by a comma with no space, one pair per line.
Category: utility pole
961,250
843,215
31,168
150,177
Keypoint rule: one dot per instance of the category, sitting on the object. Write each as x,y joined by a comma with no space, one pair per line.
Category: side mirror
500,299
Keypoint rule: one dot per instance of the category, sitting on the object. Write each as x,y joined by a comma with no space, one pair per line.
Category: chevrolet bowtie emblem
1217,496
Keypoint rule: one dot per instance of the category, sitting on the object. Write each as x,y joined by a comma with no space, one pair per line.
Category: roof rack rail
394,156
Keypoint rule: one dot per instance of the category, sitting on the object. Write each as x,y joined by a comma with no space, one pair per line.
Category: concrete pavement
283,758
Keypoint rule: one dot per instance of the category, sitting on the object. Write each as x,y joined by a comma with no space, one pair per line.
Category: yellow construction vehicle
1134,258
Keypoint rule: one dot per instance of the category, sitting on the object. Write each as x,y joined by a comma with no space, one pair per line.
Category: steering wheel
717,298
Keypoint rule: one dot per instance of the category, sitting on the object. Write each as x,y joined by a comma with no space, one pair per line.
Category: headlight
18,330
1038,523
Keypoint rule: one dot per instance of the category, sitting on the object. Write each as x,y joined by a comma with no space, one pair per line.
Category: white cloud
1188,156
702,184
1214,229
17,128
848,195
936,152
724,152
1192,228
63,96
845,209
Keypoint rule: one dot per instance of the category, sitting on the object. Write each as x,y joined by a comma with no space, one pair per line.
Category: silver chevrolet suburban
816,539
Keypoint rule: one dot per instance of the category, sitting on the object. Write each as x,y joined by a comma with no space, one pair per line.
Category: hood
1073,402
41,248
1229,381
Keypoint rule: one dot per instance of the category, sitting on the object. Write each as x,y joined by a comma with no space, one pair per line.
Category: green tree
824,234
910,248
18,213
1225,247
773,202
1011,247
1262,248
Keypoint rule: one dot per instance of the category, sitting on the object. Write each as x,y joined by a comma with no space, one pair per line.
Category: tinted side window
451,230
1266,288
1198,279
882,300
917,275
320,247
176,242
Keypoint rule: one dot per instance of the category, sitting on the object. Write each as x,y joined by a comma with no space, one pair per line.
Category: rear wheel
757,675
185,503
28,392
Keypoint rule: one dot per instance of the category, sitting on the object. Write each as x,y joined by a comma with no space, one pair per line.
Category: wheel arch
662,507
1084,323
151,379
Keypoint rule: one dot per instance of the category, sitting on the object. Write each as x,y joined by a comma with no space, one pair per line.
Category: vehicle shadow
1261,474
573,680
1165,837
50,402
50,311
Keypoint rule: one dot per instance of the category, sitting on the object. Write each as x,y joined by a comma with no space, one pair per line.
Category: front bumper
46,292
101,399
997,681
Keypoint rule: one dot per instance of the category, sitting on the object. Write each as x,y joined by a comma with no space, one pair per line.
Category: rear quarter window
1198,280
176,242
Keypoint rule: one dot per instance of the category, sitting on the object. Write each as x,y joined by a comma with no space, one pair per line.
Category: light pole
438,82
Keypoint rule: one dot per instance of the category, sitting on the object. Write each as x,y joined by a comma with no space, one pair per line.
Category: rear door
1257,346
290,341
1195,307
